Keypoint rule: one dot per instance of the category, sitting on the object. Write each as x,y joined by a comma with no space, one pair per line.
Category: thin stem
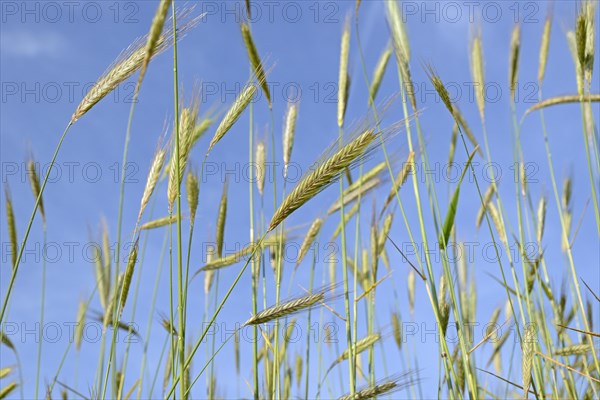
188,361
66,352
135,299
308,318
151,315
430,284
587,134
278,261
211,395
255,266
565,239
279,268
42,306
182,299
351,358
15,269
118,247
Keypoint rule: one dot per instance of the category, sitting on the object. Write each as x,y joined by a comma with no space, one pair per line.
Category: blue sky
51,51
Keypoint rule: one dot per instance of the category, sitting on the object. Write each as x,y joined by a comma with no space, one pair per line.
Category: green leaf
449,221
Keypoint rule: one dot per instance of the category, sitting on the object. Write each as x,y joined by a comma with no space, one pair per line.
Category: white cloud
32,45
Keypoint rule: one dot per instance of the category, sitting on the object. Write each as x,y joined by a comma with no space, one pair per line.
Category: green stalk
66,352
431,290
162,354
255,267
370,309
120,220
445,259
489,225
433,203
39,355
278,263
308,318
135,297
320,348
589,164
118,248
214,317
189,252
518,157
471,378
171,314
279,267
370,324
210,360
448,366
187,268
355,271
262,266
182,299
100,364
566,239
206,304
15,270
151,315
262,259
212,370
351,359
21,380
